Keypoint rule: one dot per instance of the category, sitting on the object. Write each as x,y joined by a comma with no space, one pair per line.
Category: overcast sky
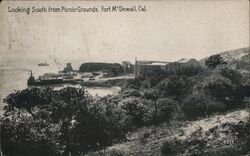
169,30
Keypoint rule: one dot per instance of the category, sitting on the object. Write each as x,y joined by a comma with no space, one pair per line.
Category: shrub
214,61
226,89
143,136
243,91
134,109
167,108
229,73
244,62
172,147
174,86
219,87
116,152
196,105
26,137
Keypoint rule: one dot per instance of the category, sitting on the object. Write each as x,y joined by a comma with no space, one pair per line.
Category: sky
167,31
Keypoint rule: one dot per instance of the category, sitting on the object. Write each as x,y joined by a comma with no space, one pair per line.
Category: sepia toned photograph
124,78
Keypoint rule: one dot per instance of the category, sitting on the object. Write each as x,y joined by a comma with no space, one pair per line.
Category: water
14,77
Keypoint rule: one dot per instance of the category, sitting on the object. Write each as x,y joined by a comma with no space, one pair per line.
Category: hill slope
236,54
210,136
224,134
233,55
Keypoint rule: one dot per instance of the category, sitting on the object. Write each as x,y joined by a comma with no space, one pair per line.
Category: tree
214,61
52,117
153,95
200,105
99,127
135,110
28,99
25,136
174,87
61,122
219,87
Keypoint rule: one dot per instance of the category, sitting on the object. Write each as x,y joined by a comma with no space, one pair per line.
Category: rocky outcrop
110,69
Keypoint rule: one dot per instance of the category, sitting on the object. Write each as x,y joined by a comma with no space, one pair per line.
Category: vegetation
44,121
214,61
53,122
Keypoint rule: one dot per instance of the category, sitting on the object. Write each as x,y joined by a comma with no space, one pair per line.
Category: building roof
162,63
183,60
186,60
158,64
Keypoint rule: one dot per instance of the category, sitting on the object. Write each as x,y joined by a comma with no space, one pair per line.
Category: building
128,67
183,66
143,68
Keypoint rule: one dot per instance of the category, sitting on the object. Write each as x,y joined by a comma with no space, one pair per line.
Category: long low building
143,68
182,66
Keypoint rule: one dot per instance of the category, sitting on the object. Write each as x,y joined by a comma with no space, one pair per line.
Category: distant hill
237,58
232,55
237,54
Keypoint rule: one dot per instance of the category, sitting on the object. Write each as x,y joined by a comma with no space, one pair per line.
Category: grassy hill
216,135
236,54
233,55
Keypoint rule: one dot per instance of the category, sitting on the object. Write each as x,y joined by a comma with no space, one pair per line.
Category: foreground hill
222,135
220,125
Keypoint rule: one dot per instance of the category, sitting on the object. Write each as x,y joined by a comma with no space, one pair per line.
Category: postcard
124,78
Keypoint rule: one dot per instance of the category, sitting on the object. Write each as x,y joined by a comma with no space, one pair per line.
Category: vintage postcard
124,78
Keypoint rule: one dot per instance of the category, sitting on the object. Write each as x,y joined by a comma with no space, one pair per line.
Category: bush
135,110
200,105
167,108
172,147
231,74
227,90
243,91
175,87
244,62
219,87
214,61
26,137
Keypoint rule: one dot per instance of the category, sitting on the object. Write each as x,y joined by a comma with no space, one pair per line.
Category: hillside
224,132
236,54
202,114
233,55
215,135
